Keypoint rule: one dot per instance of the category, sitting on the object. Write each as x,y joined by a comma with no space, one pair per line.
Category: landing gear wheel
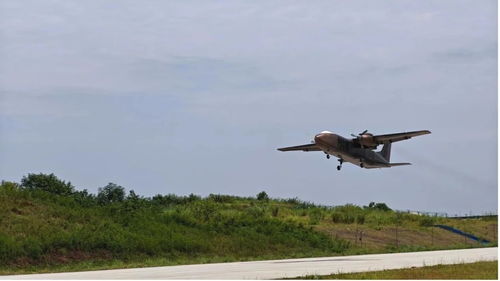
362,165
340,164
328,156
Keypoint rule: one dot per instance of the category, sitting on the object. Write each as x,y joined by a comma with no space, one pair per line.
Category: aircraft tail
386,151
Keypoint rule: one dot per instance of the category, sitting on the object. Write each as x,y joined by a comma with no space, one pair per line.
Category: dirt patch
366,237
62,257
16,211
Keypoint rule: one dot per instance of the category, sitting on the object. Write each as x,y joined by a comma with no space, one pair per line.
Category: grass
478,270
48,226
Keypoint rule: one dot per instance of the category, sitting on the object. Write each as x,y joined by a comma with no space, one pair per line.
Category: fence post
432,231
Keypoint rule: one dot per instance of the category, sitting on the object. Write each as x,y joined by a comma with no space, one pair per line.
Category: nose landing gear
340,164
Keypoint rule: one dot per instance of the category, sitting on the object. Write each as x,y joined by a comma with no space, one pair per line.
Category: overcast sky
195,96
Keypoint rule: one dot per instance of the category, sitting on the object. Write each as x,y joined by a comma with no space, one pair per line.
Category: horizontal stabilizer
398,164
305,147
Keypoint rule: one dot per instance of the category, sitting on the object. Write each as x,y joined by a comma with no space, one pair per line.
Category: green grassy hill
49,226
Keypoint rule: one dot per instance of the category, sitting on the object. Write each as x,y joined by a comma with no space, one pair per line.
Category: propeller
360,134
358,137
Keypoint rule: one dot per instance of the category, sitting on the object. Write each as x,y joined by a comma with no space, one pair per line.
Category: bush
84,197
110,193
348,214
378,206
275,211
262,196
340,217
203,210
427,221
219,198
360,218
255,212
49,183
315,216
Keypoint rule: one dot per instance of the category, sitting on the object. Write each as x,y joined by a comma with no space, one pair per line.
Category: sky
195,96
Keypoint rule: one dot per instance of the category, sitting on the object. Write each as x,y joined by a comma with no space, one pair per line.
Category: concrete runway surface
273,269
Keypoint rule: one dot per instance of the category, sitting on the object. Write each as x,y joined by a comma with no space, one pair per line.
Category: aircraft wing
380,139
305,147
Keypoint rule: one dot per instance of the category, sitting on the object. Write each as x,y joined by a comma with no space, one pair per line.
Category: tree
84,198
133,196
49,183
262,196
110,193
378,206
9,185
382,207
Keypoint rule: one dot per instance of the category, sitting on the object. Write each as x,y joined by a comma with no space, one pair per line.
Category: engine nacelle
366,141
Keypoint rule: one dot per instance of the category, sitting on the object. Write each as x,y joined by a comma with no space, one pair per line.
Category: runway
273,269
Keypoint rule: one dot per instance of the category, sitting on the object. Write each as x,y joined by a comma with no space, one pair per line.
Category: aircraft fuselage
347,151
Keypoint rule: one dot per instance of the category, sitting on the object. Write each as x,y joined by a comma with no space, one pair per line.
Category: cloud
466,55
197,95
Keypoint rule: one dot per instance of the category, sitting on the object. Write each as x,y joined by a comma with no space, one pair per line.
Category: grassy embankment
47,226
478,270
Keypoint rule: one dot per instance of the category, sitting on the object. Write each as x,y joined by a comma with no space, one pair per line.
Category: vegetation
48,225
478,270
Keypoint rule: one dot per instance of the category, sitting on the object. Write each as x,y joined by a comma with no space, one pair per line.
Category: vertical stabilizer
386,151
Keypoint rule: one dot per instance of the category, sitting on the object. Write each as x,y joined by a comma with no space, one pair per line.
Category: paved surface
273,269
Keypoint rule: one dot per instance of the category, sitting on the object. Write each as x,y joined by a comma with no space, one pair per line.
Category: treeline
114,193
376,214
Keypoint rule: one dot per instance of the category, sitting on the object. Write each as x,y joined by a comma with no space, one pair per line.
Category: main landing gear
340,165
328,156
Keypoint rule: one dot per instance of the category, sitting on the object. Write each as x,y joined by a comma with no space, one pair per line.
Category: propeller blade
364,132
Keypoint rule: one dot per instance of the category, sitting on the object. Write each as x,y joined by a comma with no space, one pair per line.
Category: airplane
359,150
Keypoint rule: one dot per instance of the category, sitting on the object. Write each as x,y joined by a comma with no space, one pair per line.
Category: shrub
9,186
110,193
255,212
219,198
427,221
378,206
340,217
262,196
49,183
203,210
293,201
84,197
360,218
348,214
192,197
275,211
315,216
